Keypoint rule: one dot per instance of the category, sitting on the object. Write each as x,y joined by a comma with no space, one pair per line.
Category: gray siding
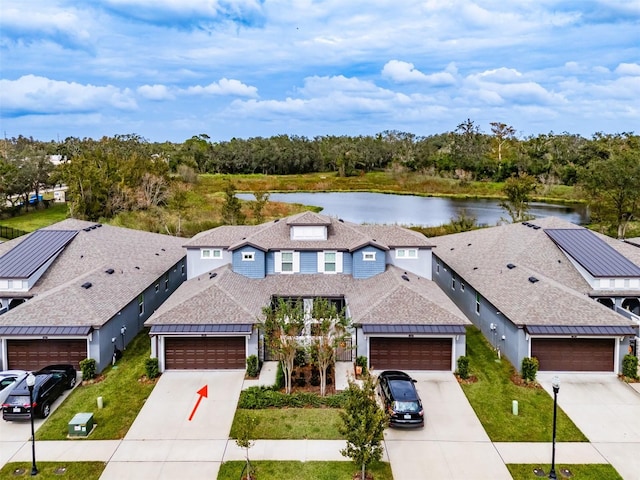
197,266
420,266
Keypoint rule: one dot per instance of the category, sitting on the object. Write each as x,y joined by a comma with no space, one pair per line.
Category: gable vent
109,271
510,266
533,279
86,285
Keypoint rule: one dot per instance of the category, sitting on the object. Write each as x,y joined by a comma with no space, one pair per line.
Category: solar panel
29,255
594,254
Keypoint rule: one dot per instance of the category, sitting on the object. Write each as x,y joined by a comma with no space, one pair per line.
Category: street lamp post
31,381
555,384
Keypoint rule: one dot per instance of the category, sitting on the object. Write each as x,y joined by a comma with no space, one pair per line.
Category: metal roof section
592,253
50,331
244,328
582,330
26,258
369,329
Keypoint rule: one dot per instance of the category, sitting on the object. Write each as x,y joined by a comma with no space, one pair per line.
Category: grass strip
492,395
291,470
123,395
292,423
596,471
54,470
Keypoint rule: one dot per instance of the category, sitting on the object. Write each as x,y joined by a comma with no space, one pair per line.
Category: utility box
81,425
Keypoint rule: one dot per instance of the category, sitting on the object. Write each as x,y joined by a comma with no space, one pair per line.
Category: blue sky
171,69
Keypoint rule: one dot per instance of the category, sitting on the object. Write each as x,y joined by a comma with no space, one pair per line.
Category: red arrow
203,392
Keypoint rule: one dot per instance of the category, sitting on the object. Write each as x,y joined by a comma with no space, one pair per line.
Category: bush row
268,397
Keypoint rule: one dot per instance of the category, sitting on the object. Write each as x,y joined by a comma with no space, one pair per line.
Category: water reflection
364,207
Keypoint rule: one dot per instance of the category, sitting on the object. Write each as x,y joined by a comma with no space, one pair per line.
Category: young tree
232,208
518,191
363,424
328,331
256,207
283,325
245,428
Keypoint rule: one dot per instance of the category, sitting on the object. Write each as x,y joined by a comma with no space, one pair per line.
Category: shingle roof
560,297
137,259
229,298
633,241
595,255
342,235
31,254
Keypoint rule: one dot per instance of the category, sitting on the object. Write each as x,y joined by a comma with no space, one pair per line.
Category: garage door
410,353
574,354
35,354
208,353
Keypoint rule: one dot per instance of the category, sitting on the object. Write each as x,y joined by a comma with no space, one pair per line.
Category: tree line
125,172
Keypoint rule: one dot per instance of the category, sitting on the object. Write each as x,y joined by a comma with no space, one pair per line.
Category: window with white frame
438,267
477,303
141,304
462,286
369,256
406,253
286,265
453,281
287,262
248,256
330,262
211,253
166,282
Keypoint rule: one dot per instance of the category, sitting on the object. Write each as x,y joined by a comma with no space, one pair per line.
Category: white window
477,303
330,262
438,267
141,304
166,282
211,253
453,281
369,256
287,262
462,286
248,256
406,253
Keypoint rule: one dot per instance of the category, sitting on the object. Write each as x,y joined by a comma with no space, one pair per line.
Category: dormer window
368,256
308,232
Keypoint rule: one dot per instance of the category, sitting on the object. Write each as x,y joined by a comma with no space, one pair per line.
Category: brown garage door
410,353
574,354
205,353
35,354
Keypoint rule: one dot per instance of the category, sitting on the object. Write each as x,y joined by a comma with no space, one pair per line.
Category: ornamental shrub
529,368
88,367
279,377
630,366
253,366
463,367
152,368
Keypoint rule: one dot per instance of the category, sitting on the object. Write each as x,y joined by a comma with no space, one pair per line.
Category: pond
413,210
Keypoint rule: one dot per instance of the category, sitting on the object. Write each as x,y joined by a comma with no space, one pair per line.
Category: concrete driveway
452,445
608,413
150,449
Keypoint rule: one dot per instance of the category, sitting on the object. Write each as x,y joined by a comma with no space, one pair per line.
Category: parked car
50,384
8,380
400,399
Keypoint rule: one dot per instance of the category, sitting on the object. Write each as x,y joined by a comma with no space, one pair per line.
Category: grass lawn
293,423
279,470
492,395
122,392
53,470
35,219
580,472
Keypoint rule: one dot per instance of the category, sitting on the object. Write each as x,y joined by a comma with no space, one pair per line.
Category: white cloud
155,92
405,72
34,94
632,69
224,87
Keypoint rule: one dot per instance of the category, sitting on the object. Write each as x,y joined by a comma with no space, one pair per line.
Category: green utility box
81,425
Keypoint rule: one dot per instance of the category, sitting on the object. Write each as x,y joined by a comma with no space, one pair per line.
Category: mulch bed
516,379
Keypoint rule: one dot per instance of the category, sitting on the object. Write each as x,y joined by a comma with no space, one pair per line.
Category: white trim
407,253
248,256
368,256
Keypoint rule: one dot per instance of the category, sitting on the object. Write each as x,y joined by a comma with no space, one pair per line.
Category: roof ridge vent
213,274
536,227
510,266
533,279
86,285
404,277
276,220
87,229
109,271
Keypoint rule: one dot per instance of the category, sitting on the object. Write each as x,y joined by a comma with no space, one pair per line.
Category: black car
50,383
400,399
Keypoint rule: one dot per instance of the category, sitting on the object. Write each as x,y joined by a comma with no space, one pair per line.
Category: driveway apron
608,413
452,445
150,450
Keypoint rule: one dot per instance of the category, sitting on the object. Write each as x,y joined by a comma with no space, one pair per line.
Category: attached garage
410,353
574,354
35,354
205,353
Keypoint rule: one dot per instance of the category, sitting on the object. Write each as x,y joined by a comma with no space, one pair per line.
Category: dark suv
50,383
400,398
